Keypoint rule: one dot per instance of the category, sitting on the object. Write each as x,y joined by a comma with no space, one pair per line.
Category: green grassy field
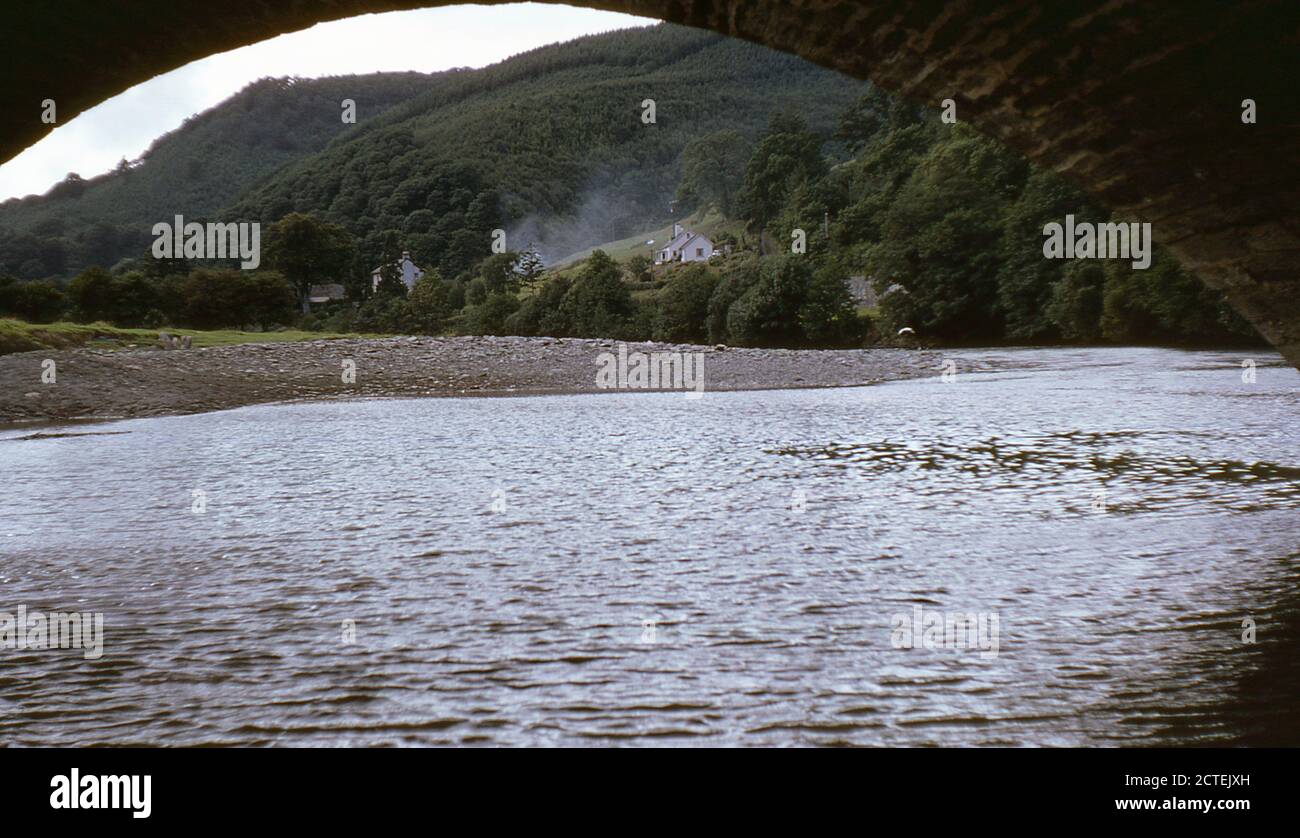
712,224
18,336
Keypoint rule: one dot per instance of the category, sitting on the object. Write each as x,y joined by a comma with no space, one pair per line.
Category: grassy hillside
195,170
710,223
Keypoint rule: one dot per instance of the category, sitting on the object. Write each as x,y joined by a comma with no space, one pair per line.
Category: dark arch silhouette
1138,102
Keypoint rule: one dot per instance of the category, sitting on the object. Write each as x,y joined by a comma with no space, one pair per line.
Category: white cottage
407,270
685,246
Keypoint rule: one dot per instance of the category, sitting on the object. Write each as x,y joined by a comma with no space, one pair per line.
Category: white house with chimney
407,270
685,246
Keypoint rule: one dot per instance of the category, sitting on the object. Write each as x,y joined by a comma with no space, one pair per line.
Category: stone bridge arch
1138,102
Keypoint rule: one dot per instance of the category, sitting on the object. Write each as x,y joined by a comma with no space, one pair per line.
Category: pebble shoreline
114,384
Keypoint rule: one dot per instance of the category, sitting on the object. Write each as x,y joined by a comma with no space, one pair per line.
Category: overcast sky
426,40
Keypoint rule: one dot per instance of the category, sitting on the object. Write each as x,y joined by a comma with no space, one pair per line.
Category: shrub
682,314
599,304
39,301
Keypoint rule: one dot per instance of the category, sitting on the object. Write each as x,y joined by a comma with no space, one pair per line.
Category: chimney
677,229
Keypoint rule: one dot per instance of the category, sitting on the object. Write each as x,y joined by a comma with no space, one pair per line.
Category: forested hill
550,145
195,170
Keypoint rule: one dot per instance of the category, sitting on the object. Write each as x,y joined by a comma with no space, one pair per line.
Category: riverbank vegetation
803,178
19,336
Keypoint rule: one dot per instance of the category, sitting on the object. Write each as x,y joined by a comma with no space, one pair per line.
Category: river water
644,568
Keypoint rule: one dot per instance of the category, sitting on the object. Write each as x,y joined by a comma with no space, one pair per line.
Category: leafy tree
429,304
941,238
683,306
711,169
543,313
490,317
1075,303
874,114
391,283
456,294
736,280
38,301
638,267
309,251
788,156
71,186
1165,304
826,314
1027,283
266,298
210,297
383,313
223,298
91,295
598,304
134,300
499,272
476,292
767,313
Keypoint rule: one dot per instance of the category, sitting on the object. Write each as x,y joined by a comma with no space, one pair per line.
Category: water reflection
644,568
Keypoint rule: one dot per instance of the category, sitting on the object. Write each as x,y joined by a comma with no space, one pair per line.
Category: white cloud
426,40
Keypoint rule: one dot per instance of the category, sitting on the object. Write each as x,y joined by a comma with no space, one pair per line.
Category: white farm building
685,246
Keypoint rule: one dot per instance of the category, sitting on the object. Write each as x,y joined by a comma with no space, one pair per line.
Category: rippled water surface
644,568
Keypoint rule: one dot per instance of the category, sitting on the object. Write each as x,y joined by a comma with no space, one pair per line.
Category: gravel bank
104,384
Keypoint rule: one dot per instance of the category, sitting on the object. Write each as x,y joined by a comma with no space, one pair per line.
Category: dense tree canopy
195,170
309,251
549,149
